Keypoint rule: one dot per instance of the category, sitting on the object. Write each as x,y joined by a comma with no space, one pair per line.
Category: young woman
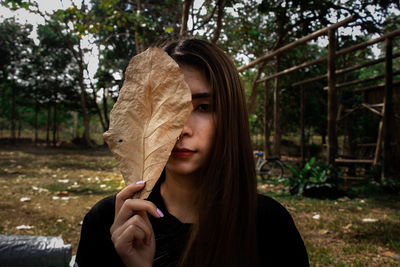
204,209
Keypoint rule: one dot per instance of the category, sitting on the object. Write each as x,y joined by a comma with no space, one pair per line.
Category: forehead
197,81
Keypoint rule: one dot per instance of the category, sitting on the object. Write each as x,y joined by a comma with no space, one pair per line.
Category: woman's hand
131,232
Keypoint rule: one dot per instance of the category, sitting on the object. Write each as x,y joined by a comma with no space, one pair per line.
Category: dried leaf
369,220
24,227
316,217
347,226
323,231
388,253
145,122
391,254
25,199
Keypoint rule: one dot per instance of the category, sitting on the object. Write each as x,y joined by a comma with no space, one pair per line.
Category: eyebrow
201,95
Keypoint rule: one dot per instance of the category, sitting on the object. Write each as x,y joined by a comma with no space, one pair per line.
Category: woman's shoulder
104,208
268,206
277,234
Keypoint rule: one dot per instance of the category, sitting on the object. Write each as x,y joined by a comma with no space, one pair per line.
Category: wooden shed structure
382,100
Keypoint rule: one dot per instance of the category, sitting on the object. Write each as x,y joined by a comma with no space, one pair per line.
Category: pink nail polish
140,182
160,213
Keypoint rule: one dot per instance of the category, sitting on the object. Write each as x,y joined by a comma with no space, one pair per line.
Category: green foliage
315,174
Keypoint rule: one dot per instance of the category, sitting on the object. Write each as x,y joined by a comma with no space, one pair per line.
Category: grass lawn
51,190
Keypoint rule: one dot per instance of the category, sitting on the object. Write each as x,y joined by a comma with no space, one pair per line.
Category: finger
138,222
127,193
131,236
136,206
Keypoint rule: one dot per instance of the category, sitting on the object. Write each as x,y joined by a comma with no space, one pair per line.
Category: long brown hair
225,233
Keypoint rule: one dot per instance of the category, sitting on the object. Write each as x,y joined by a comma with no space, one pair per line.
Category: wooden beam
332,98
354,161
287,71
379,141
371,109
302,120
373,78
307,38
338,53
387,123
277,117
267,115
368,43
362,65
349,112
375,87
318,78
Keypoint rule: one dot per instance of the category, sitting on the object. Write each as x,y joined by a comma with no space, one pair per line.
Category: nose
187,130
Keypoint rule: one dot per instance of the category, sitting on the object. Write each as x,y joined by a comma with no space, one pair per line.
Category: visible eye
204,108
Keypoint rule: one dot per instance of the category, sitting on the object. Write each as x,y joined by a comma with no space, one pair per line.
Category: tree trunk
138,43
98,110
13,113
86,119
48,124
54,117
267,128
19,126
36,119
277,122
302,120
105,108
75,130
332,98
185,17
217,32
253,97
387,116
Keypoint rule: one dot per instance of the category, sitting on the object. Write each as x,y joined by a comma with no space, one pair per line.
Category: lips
182,153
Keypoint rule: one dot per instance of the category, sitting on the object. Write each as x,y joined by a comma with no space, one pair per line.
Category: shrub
316,179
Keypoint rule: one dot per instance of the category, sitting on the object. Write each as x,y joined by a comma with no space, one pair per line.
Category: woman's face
193,148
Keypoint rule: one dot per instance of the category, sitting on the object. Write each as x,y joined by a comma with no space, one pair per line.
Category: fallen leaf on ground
323,231
316,217
24,227
391,254
369,220
343,199
347,226
63,194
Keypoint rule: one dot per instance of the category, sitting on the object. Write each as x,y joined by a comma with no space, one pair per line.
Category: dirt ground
47,191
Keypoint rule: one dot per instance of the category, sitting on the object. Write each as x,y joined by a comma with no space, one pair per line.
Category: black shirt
278,240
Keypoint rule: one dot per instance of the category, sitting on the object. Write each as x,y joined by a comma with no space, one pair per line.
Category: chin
181,169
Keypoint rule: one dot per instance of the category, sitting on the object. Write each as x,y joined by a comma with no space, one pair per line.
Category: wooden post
332,98
303,138
379,141
267,130
388,108
277,122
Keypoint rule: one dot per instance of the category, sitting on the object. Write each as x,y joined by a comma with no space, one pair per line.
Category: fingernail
160,213
140,182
